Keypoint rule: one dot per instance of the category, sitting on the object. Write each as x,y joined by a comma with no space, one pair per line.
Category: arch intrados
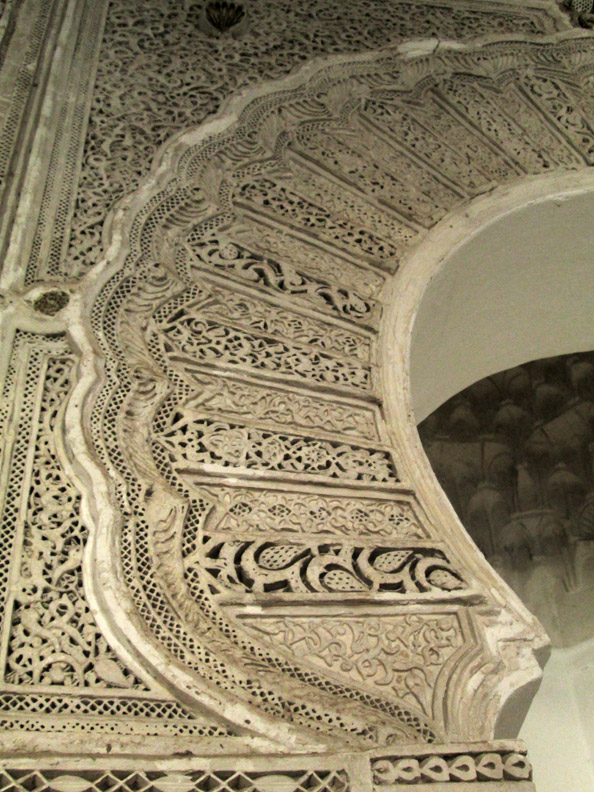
417,354
407,292
516,286
433,311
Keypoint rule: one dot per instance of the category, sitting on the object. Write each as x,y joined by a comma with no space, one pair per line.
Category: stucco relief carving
54,639
400,656
486,766
211,488
173,76
254,567
329,569
59,675
314,512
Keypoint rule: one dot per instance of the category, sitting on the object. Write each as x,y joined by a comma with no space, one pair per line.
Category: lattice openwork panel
147,781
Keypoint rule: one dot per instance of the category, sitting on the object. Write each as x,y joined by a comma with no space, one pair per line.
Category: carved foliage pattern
381,168
402,656
325,219
283,278
309,514
195,444
251,174
54,639
158,73
282,322
265,404
318,263
329,568
198,330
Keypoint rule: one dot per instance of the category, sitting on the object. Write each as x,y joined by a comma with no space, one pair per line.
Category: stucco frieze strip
57,100
70,91
496,765
218,780
353,277
269,405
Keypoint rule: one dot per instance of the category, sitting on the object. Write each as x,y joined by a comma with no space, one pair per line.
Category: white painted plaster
519,288
516,284
559,727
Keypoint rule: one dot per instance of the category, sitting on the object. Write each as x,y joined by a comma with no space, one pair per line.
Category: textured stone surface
215,537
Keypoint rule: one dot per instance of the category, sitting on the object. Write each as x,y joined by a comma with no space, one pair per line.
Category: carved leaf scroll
231,488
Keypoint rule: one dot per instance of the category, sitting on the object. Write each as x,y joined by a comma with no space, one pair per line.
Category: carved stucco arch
264,688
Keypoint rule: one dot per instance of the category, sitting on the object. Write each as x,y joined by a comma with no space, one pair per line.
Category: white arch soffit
404,301
452,319
507,279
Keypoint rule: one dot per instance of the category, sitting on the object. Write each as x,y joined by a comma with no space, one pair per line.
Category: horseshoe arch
268,543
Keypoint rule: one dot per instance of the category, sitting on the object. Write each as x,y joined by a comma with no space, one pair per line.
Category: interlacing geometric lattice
154,781
256,574
353,164
158,73
58,667
54,639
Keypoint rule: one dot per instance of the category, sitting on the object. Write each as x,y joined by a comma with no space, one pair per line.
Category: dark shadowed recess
514,453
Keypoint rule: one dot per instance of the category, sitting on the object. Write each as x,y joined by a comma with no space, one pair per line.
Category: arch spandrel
281,561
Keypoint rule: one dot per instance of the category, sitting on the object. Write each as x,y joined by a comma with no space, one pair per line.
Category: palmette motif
310,513
60,675
54,639
255,547
330,569
281,277
179,77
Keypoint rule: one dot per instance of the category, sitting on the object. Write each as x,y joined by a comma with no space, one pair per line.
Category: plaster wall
515,289
559,726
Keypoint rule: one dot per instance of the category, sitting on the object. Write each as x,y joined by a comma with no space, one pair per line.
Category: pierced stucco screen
227,564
